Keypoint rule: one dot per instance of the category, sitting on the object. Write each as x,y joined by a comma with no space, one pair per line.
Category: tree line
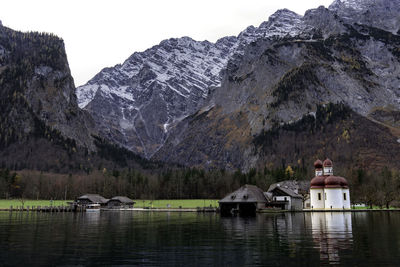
380,188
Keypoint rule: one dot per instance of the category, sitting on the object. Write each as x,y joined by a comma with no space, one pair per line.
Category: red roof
327,163
318,182
335,182
318,164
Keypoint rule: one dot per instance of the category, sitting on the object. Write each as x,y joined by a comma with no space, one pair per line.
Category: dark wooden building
91,199
245,201
120,202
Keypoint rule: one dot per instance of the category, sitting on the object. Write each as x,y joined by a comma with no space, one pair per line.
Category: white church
328,192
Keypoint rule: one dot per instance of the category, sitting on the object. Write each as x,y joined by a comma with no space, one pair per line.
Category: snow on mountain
377,13
136,103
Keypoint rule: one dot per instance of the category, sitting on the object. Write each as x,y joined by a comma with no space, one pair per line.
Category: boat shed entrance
245,201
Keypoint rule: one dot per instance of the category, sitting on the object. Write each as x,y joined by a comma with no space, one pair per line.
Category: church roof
318,182
327,163
318,164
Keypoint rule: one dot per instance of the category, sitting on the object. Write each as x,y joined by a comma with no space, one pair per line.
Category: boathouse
245,201
120,202
91,199
328,192
284,198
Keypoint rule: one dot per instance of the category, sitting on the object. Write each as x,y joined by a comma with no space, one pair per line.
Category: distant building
120,202
284,197
91,199
245,201
328,192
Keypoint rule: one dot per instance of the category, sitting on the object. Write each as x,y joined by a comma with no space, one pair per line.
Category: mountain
41,125
383,14
276,101
137,103
222,104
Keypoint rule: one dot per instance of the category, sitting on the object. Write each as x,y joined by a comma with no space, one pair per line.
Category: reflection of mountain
332,232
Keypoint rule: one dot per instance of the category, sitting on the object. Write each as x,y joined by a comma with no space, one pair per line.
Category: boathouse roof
245,194
123,199
94,198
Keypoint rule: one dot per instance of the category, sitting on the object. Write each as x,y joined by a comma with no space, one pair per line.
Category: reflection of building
328,191
332,232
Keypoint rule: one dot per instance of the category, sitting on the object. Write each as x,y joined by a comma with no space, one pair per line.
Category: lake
197,239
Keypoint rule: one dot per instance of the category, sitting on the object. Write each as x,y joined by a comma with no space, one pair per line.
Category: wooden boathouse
120,202
245,201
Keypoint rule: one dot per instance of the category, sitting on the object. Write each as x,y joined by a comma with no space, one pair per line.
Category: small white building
284,198
328,192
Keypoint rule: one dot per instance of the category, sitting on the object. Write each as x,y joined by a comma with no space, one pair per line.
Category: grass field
373,207
174,203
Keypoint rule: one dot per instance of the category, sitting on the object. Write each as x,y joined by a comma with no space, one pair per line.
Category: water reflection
332,233
187,239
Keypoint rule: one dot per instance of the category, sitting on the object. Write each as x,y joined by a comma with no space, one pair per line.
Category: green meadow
176,203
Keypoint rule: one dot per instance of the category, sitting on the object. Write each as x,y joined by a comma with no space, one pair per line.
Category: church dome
327,163
334,182
343,182
318,182
318,164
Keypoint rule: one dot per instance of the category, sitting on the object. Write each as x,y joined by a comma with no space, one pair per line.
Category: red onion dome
318,182
343,182
333,182
318,164
327,163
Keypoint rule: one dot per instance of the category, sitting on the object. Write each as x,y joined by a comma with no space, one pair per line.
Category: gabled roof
302,187
276,189
124,200
246,193
95,198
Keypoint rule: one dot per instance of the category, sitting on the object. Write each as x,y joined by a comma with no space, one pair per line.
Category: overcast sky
99,33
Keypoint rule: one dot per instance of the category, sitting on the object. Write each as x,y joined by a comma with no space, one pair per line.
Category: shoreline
200,210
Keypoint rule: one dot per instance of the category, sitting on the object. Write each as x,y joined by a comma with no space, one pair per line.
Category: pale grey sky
102,33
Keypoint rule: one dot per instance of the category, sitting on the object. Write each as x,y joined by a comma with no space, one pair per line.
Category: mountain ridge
345,53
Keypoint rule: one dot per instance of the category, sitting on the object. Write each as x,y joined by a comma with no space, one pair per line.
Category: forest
379,188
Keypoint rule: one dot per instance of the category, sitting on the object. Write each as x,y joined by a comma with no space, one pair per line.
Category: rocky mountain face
38,97
277,102
137,103
233,104
41,125
383,14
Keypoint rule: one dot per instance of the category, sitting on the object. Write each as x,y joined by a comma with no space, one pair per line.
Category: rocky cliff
279,83
135,104
41,125
210,104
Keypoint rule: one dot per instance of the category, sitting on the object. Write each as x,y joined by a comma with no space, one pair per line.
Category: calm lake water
191,239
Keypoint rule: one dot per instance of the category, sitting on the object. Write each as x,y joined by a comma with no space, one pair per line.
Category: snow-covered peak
353,4
282,23
284,15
